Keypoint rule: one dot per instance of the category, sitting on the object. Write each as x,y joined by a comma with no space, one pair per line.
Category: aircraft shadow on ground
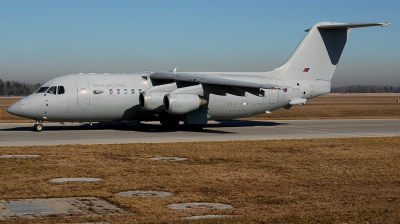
243,123
148,127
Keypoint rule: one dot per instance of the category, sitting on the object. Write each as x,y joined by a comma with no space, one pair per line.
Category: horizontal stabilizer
333,26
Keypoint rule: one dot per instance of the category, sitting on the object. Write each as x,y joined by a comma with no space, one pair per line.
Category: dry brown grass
330,106
352,180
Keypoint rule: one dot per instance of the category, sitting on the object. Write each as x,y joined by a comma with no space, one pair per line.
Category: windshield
52,90
42,89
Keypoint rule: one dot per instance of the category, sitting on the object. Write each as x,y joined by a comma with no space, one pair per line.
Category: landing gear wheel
38,127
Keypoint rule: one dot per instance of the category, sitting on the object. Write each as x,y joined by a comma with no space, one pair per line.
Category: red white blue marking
306,69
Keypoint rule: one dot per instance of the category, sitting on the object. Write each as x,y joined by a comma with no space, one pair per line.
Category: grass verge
348,180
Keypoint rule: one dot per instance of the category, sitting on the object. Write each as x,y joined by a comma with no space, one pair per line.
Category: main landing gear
38,126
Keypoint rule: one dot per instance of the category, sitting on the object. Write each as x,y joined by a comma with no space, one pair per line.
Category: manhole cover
209,217
60,207
37,207
75,179
145,194
19,156
168,158
199,205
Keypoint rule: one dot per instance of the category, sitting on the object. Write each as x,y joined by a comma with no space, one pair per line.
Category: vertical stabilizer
319,52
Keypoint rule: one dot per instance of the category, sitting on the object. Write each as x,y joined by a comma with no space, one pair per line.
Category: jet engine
179,104
151,100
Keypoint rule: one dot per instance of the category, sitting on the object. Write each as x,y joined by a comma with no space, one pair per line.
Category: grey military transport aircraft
192,97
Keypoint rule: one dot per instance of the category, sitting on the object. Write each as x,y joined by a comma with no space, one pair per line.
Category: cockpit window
42,89
52,90
60,90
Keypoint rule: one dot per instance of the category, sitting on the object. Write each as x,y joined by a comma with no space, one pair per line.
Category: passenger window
42,89
133,91
60,90
125,91
111,91
52,90
140,90
118,91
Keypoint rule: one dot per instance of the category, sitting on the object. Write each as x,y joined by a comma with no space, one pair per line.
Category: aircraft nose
15,108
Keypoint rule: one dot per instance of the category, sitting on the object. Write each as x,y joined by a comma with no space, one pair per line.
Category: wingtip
386,24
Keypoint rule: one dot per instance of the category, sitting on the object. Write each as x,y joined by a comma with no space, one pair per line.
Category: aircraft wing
187,77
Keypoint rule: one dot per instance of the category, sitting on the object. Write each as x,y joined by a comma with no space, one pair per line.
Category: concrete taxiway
20,134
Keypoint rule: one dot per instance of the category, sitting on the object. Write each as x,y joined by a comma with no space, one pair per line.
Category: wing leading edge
187,77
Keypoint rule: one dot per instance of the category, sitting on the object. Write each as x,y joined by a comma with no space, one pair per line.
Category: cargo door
83,92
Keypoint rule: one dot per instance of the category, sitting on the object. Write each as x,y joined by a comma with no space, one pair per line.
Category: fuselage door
83,92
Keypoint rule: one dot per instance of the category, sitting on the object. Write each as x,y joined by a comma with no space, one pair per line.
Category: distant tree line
366,89
13,88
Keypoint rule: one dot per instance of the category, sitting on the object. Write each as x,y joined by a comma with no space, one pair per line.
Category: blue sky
44,39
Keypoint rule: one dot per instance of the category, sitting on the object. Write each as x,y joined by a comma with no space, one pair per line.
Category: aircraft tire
38,127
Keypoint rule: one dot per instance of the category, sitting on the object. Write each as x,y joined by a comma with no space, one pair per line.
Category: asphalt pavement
21,134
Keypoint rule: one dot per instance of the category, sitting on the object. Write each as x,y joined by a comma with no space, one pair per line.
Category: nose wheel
38,127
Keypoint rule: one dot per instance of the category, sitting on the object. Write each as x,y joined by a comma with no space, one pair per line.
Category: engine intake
178,104
152,101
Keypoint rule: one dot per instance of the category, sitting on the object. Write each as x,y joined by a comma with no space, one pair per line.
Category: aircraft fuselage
115,97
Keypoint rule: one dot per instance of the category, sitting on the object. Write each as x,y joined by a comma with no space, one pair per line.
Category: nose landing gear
38,126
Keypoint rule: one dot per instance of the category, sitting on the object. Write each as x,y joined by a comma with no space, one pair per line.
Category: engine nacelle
152,101
179,104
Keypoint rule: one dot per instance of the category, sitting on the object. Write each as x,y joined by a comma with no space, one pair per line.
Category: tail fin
319,52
